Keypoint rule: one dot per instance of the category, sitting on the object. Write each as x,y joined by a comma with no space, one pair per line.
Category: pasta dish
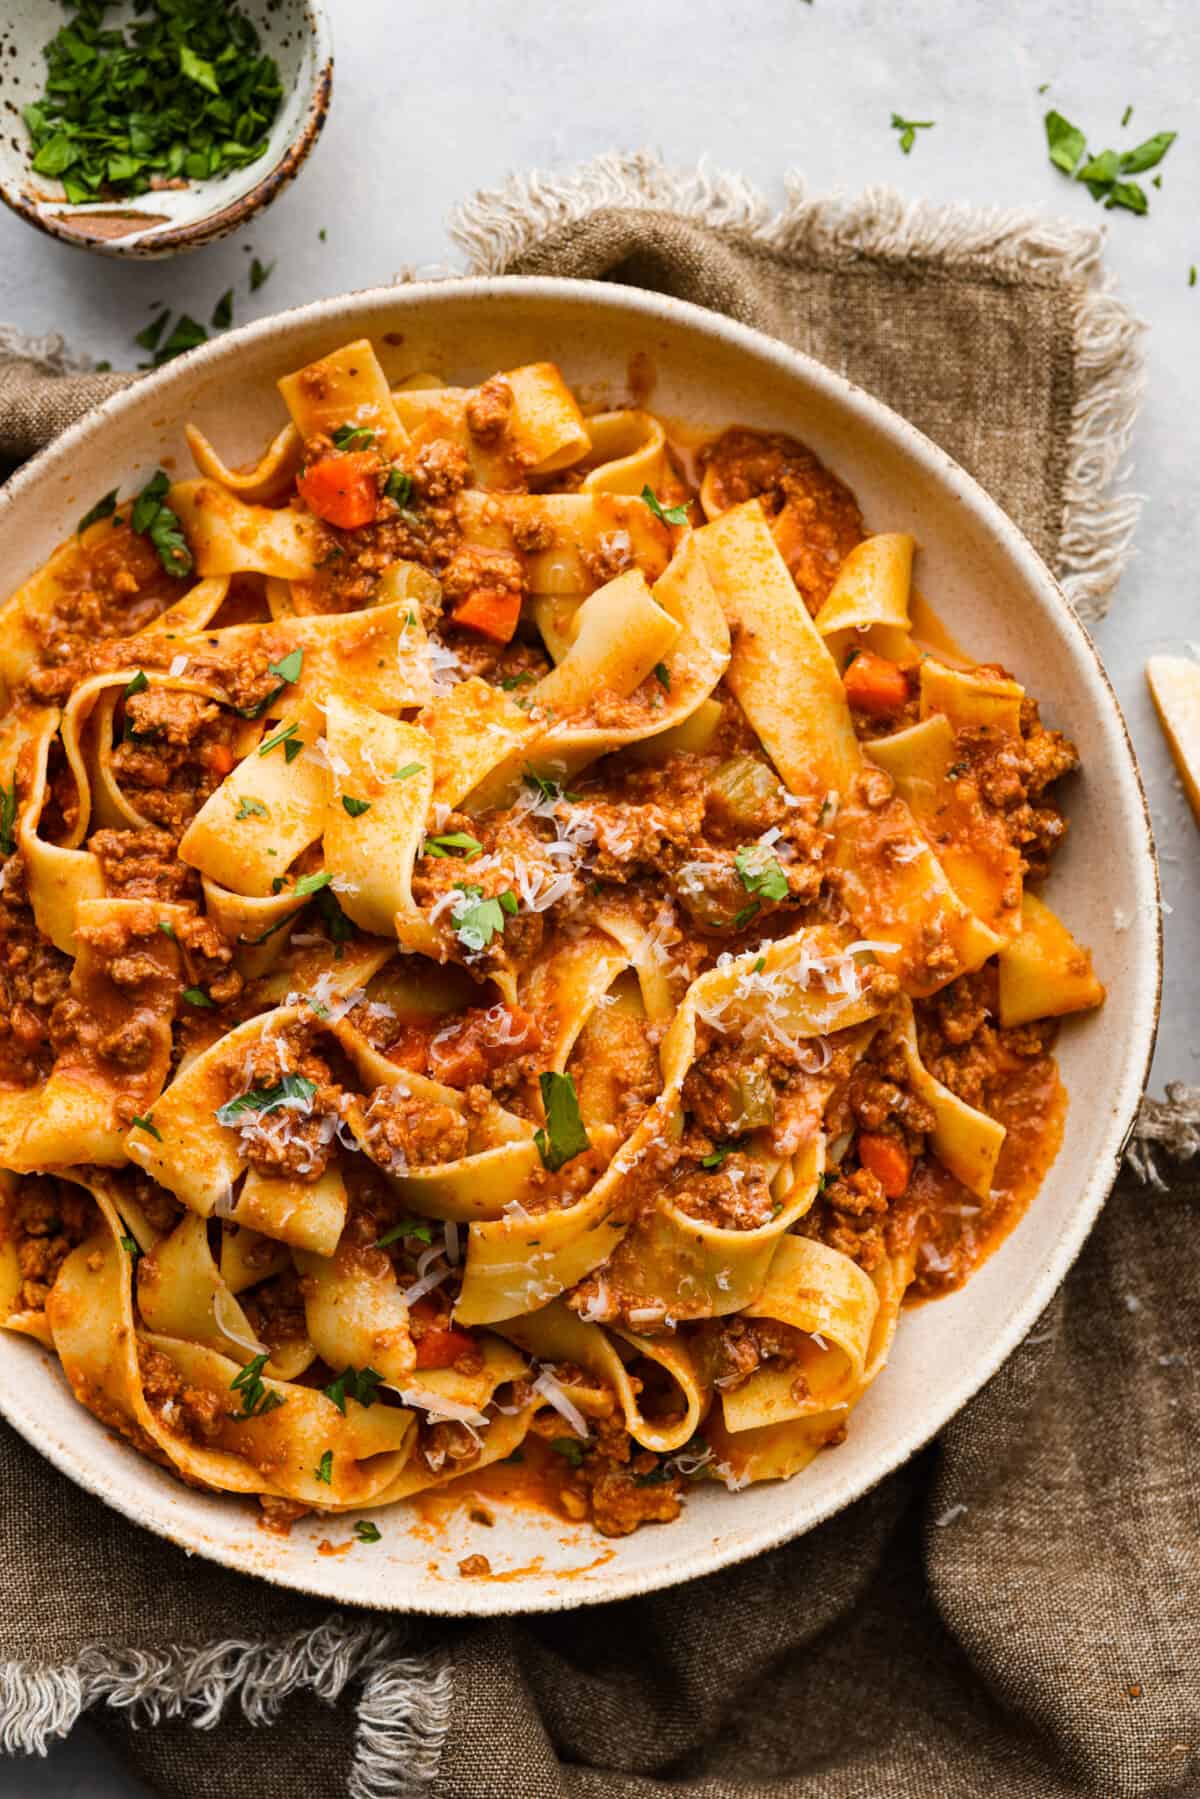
521,942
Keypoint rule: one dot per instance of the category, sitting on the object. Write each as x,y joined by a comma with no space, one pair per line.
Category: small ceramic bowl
295,32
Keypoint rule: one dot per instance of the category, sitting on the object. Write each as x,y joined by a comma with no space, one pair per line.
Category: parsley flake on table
670,515
180,93
565,1135
259,273
222,312
908,129
1105,174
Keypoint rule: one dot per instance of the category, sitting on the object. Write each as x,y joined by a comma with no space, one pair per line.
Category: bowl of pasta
537,925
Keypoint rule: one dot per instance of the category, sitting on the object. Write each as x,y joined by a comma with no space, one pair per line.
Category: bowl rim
153,243
1139,1027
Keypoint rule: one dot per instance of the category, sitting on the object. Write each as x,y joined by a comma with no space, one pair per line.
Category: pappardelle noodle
519,941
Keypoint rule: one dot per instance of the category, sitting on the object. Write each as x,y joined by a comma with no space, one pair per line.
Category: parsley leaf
149,337
908,129
761,873
285,736
151,518
352,437
288,667
569,1448
138,684
249,807
398,487
355,807
196,996
480,920
257,1397
662,675
8,818
409,769
564,1136
717,1156
324,1468
131,1247
1066,143
742,918
284,1092
358,1383
452,843
222,312
146,1124
366,1532
103,508
312,883
259,273
1129,194
670,515
407,1227
1147,155
545,788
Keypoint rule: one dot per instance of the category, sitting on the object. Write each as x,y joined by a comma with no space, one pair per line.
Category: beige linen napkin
1014,1612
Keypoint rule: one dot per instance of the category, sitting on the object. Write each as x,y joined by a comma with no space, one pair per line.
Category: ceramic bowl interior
999,600
295,32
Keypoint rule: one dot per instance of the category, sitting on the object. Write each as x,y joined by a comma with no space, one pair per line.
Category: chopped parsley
565,1135
407,1227
364,1530
312,883
149,335
196,996
181,92
335,921
760,964
481,919
324,1468
405,773
292,743
151,518
257,1397
222,312
1126,116
355,1383
288,669
569,1448
167,929
185,334
249,807
453,843
662,675
352,437
131,1247
717,1157
8,818
545,788
398,487
1106,173
259,273
761,873
908,129
138,684
670,515
522,680
355,807
286,1091
742,918
104,508
138,1123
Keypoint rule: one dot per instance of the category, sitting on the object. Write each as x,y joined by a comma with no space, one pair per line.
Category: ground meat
294,1141
275,1309
447,1448
439,470
964,1048
472,570
813,515
278,1515
735,1197
183,1409
474,1567
34,979
45,1220
404,1132
143,865
489,409
740,1346
850,1215
619,1484
176,750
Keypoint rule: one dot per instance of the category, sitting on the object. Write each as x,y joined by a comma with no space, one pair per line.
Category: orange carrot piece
875,685
888,1160
489,612
341,489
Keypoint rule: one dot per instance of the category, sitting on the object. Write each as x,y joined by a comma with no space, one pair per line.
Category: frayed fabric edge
500,224
402,1708
1169,1126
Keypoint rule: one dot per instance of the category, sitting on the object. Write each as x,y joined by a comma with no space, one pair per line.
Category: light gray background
433,100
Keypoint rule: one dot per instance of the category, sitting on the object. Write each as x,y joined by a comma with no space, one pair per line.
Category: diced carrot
218,758
441,1349
484,1038
411,1047
888,1160
490,612
341,488
874,684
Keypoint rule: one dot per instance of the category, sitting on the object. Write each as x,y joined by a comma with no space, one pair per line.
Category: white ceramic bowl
999,598
295,32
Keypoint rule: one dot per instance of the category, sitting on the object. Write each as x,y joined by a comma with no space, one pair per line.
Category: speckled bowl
295,32
997,596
